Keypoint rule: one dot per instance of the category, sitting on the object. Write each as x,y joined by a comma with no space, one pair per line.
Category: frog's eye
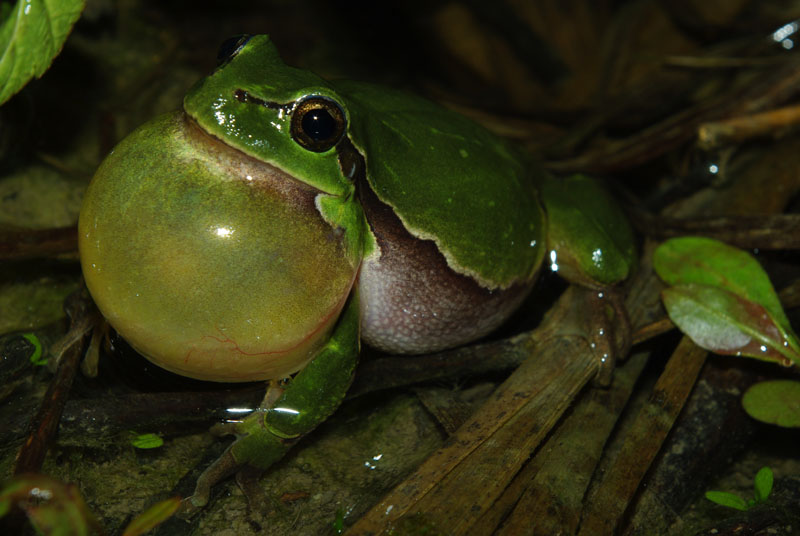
230,47
318,123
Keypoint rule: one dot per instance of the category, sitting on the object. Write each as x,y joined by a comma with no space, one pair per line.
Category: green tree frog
278,219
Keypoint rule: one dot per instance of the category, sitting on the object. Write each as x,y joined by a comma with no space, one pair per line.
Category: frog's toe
247,478
222,468
611,335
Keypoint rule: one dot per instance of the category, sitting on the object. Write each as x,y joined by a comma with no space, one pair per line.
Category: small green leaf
31,35
152,517
763,484
36,358
710,262
338,522
774,402
727,499
725,323
147,441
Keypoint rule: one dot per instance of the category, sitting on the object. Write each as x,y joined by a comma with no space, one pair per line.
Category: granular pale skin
412,302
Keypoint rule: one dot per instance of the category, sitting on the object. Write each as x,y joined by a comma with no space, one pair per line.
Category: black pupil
318,124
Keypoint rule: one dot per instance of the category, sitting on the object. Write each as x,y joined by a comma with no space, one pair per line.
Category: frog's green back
449,180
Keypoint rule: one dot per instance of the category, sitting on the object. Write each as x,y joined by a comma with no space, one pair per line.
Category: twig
44,424
773,123
612,495
20,244
454,486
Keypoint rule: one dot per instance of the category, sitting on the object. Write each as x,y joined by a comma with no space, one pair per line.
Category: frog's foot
256,448
289,411
222,468
611,331
247,478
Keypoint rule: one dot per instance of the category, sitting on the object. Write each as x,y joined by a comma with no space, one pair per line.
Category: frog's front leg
591,244
289,411
609,330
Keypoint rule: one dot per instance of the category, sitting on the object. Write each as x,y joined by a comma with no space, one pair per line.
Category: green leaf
727,499
30,37
338,523
36,358
711,262
774,402
152,517
147,441
763,484
722,322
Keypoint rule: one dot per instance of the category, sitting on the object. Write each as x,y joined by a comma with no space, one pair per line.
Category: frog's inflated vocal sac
279,218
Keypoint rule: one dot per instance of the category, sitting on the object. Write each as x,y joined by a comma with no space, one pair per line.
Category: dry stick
44,424
557,477
454,486
772,231
718,62
772,89
611,496
734,131
470,459
20,244
712,429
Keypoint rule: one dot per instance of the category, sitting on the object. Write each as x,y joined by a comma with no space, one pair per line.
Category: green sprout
36,358
338,523
146,441
762,488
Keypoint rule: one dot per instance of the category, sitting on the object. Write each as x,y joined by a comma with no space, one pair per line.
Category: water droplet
553,263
